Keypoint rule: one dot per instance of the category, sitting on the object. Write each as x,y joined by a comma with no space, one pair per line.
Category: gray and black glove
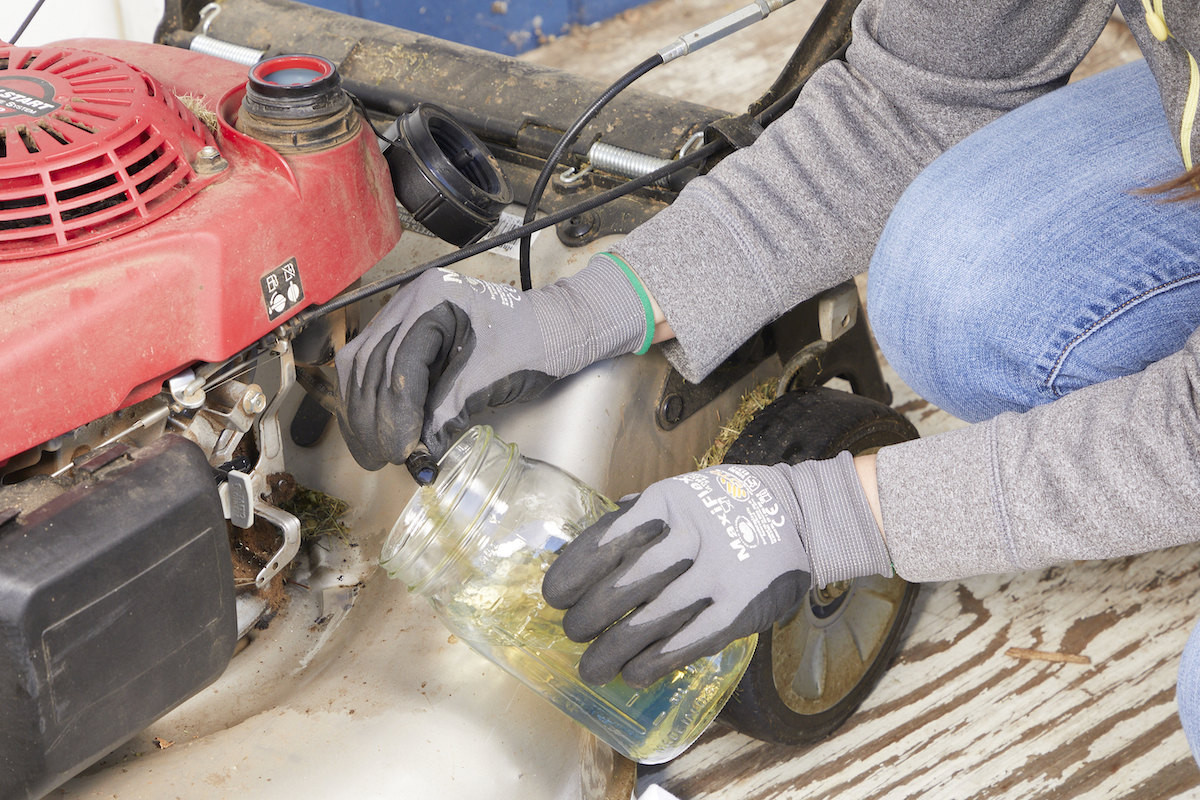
447,345
703,559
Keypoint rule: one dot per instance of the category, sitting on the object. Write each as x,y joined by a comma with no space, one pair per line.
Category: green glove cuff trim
647,307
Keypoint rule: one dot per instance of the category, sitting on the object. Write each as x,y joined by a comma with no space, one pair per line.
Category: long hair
1184,186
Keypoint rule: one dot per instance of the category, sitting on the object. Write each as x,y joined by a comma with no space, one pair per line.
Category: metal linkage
715,31
624,162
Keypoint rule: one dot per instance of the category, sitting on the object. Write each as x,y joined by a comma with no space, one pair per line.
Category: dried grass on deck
753,401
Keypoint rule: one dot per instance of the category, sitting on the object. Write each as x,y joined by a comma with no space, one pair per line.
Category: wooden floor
956,716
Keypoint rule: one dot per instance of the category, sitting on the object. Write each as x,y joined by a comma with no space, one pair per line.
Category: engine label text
22,96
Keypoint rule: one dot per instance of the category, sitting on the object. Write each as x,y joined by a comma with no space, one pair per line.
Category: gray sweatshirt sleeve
1107,471
801,209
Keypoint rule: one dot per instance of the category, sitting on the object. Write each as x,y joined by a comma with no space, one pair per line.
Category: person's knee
1015,270
906,283
937,309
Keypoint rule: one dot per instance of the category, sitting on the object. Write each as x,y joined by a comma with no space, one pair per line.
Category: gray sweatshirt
1107,471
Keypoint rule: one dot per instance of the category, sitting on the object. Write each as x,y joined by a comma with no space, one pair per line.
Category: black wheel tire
803,681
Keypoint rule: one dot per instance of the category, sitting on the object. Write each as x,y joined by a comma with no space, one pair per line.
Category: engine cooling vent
90,147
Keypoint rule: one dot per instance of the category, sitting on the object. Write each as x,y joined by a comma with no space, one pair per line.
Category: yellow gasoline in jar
477,542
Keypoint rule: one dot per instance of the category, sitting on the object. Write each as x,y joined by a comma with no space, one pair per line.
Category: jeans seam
1057,366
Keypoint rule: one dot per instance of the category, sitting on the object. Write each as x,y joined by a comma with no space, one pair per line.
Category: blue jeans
1018,267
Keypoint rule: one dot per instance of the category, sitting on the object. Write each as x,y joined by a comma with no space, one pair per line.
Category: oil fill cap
445,177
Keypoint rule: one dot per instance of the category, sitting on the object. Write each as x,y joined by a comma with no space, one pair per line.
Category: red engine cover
90,147
119,265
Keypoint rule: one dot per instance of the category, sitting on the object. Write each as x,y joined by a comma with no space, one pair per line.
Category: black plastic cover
116,605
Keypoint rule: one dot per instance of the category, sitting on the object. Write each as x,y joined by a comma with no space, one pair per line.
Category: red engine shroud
95,317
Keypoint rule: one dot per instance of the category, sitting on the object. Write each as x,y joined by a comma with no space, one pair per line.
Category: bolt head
672,409
254,402
209,160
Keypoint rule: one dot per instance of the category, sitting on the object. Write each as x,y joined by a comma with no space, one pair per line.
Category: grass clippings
254,547
196,106
752,402
319,514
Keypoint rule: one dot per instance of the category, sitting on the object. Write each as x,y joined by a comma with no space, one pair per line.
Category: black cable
362,109
363,292
25,24
566,141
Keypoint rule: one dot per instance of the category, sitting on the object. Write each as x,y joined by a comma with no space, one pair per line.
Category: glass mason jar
477,542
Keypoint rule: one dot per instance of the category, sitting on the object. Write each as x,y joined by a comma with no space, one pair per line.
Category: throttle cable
684,45
355,295
568,138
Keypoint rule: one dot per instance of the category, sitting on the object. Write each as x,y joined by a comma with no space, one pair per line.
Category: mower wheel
813,668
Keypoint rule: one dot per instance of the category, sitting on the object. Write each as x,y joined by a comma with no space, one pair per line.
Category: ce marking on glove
505,295
752,523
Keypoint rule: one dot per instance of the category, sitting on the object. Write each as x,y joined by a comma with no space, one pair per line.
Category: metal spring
229,51
627,163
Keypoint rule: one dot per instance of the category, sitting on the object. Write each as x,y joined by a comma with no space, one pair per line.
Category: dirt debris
252,548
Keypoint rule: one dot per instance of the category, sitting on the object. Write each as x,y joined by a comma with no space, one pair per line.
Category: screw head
579,229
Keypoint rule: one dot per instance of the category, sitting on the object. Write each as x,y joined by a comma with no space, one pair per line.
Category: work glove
700,560
448,345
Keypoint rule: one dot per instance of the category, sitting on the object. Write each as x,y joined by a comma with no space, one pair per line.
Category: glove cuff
839,530
595,314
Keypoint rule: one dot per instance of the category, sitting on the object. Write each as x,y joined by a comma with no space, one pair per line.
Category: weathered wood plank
957,717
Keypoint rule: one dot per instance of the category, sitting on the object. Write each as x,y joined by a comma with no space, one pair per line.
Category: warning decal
281,288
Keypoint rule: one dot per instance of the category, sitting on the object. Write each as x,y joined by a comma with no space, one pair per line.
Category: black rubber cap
446,177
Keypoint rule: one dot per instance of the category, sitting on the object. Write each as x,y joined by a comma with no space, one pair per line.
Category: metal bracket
740,132
242,493
837,310
679,399
289,529
837,346
269,435
187,390
219,432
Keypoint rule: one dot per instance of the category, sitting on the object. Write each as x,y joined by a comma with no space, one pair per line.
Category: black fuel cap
445,177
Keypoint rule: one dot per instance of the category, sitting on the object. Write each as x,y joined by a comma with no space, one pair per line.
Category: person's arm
801,209
662,328
865,467
1106,471
702,559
